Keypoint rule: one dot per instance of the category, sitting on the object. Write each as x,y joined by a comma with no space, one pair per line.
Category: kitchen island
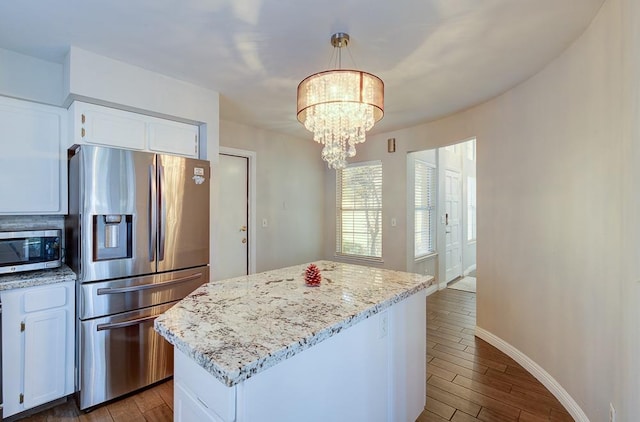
267,347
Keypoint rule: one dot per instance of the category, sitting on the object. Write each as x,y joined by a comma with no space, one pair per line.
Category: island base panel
374,371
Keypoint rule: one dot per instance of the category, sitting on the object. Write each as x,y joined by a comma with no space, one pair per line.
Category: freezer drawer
120,354
128,294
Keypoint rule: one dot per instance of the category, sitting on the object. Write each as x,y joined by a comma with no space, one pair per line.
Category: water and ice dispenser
112,236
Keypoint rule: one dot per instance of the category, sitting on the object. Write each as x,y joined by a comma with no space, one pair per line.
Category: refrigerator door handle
152,213
162,214
118,290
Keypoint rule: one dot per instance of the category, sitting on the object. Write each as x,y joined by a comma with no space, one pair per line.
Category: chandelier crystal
339,106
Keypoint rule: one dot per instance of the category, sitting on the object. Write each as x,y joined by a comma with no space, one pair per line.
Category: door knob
244,240
243,228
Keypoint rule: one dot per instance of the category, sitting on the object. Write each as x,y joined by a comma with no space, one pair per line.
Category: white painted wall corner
469,270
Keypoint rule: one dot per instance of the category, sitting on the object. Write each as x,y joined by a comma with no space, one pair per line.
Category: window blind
424,212
359,210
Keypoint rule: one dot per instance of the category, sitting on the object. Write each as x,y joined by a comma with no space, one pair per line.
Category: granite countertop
239,327
36,278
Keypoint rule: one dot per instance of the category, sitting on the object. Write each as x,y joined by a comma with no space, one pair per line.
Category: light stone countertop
239,327
36,278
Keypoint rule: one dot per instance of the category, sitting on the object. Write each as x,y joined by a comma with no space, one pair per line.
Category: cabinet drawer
44,298
205,388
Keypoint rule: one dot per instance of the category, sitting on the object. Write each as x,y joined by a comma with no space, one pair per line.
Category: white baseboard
537,371
442,286
469,270
432,289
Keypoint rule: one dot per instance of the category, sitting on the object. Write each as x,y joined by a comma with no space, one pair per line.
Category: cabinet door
107,126
187,408
170,137
200,390
12,348
44,356
32,166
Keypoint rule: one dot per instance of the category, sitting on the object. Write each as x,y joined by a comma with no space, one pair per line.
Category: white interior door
453,214
232,243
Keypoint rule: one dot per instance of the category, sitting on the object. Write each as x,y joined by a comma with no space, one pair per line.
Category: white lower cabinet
37,345
198,396
189,408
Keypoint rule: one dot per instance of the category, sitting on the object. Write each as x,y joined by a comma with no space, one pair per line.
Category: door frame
251,156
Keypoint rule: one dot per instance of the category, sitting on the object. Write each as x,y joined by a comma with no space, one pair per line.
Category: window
471,208
359,210
424,208
471,150
452,148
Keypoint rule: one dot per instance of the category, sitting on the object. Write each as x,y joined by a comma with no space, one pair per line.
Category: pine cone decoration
312,275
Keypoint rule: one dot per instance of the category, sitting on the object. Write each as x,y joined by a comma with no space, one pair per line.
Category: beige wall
629,370
549,236
289,194
553,170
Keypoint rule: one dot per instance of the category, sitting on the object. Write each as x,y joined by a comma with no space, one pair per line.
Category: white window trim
474,227
426,257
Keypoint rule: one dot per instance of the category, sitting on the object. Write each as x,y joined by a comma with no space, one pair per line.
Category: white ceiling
435,56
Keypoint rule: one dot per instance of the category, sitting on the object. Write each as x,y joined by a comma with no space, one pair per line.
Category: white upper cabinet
96,124
108,126
166,136
33,170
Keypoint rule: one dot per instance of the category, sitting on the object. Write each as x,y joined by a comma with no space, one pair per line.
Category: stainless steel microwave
28,250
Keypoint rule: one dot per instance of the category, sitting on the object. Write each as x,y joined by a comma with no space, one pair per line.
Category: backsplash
31,222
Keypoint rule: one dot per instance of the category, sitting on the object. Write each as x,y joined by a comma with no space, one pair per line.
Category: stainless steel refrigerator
137,235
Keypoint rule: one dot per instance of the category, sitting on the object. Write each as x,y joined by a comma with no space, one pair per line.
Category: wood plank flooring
467,379
153,405
470,380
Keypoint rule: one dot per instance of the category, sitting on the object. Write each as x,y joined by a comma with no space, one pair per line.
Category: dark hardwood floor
154,404
470,380
467,379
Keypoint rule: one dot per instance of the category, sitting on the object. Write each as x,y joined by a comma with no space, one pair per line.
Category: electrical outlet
384,324
612,413
394,222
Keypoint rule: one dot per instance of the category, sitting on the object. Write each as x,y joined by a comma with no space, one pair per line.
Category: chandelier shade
339,106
